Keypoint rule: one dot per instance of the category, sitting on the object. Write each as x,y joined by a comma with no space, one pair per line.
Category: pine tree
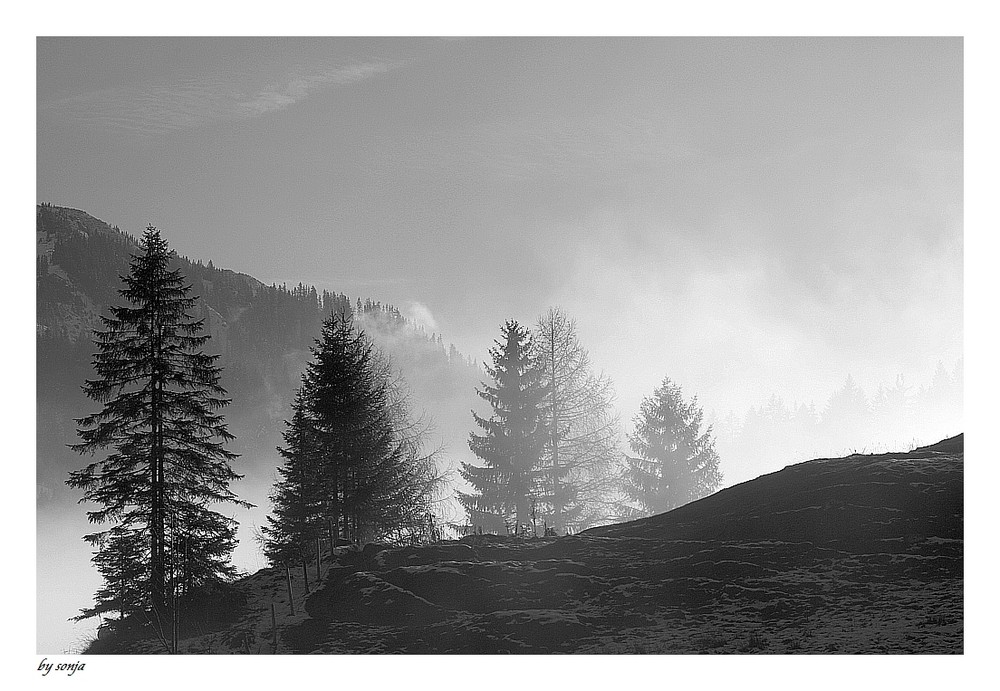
168,463
892,408
354,463
120,561
298,510
676,462
511,447
581,453
346,409
846,420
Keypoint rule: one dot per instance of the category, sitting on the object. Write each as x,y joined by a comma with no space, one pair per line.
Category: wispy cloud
421,315
160,108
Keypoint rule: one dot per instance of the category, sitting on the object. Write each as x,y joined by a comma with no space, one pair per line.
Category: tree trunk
291,600
158,507
556,489
335,504
157,510
274,630
174,614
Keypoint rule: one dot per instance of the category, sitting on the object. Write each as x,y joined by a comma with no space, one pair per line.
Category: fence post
274,629
291,600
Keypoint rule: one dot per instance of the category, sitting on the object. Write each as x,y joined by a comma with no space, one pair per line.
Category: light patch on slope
421,315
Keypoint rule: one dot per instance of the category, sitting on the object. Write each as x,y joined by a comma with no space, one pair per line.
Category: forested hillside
263,334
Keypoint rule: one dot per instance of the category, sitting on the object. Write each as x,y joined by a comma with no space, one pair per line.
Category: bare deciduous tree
582,455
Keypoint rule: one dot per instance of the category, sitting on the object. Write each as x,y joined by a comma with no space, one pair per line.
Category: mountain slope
860,554
262,333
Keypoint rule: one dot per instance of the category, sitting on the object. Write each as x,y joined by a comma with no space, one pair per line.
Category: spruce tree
354,466
676,462
347,412
298,509
120,559
846,420
511,447
162,423
581,456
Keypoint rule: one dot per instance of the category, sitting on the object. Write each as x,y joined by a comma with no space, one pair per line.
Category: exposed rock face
857,554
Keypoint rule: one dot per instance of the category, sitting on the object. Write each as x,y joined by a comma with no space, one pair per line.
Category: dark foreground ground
861,554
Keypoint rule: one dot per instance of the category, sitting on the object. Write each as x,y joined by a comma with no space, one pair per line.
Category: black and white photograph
548,345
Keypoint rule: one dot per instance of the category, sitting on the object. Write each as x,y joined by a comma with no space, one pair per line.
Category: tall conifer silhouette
354,466
511,447
167,464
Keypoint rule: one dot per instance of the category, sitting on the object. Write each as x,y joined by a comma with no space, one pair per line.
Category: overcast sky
745,216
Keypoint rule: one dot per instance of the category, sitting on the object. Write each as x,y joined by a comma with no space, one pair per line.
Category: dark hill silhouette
859,554
889,498
954,444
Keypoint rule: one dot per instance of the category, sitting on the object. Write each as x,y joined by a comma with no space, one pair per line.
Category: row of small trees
355,464
550,450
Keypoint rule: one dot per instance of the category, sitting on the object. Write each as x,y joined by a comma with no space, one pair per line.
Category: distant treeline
894,418
262,332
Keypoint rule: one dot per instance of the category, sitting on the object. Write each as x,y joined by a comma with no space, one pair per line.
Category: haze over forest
749,216
776,225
